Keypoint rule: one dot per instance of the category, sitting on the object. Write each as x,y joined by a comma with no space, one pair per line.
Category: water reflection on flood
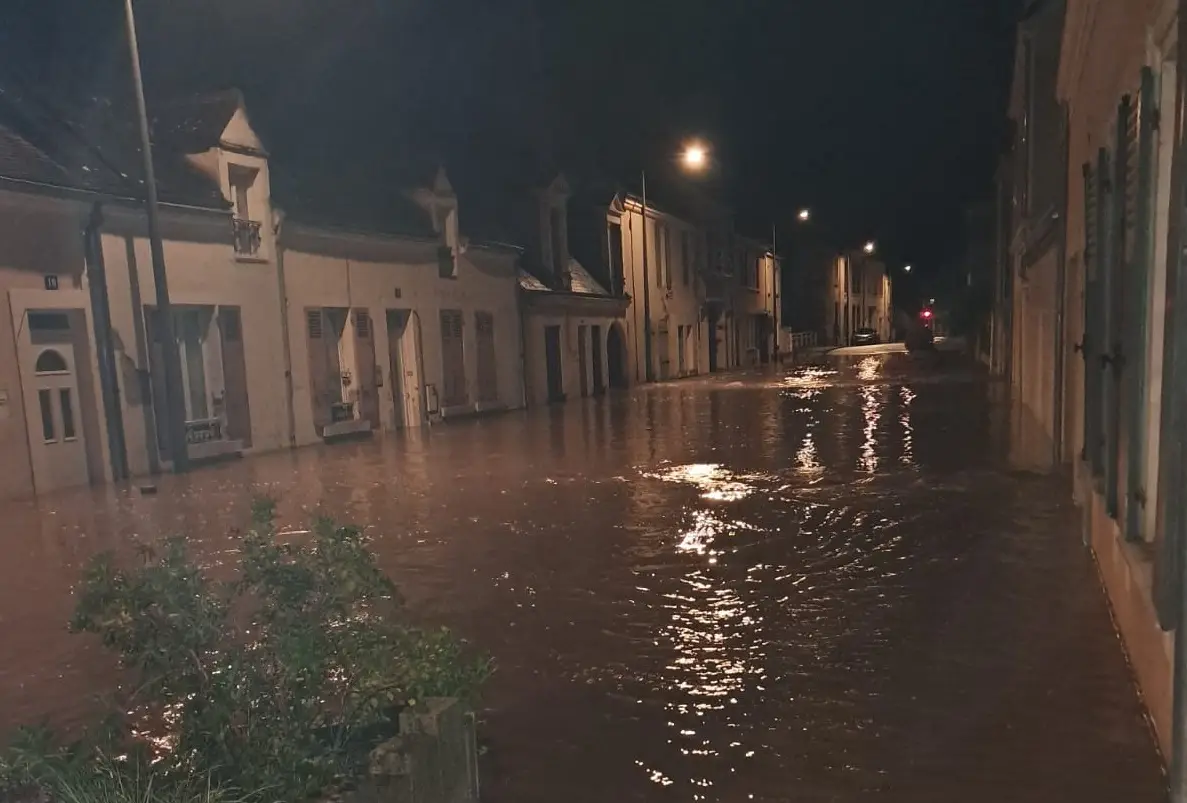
819,585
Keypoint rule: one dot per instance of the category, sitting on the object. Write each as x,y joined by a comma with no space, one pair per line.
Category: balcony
247,237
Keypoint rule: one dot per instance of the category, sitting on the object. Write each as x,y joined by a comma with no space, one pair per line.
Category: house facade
289,328
1093,105
574,326
709,296
857,297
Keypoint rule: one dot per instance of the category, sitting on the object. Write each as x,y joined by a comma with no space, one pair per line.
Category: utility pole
174,409
649,372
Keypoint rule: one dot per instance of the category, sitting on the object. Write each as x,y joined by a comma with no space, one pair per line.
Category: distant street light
906,268
805,214
869,247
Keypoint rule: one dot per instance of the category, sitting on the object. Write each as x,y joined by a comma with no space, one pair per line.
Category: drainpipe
1170,518
282,290
104,344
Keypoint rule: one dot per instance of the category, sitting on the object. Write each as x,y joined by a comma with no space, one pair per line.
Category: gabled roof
338,201
196,124
96,149
583,282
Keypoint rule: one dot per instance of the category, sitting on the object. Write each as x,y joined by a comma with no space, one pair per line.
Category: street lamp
695,156
804,215
174,409
869,247
906,268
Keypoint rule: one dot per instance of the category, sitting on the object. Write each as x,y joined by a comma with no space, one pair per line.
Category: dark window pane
67,414
47,415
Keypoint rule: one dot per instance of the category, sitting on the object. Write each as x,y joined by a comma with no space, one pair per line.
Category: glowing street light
869,247
695,156
906,268
804,215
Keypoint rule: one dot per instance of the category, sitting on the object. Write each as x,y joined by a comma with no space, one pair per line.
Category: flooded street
851,581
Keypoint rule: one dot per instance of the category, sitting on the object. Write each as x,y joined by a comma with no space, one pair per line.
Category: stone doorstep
346,430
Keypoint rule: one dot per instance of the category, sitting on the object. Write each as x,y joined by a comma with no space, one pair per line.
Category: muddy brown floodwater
845,582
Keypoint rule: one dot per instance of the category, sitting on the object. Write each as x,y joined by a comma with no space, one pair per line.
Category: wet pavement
850,581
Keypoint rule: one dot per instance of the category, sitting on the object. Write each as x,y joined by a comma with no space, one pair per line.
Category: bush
278,682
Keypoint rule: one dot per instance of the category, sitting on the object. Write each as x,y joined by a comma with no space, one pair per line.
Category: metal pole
775,282
649,372
174,409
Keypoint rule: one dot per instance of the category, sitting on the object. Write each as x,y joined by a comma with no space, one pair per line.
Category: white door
52,415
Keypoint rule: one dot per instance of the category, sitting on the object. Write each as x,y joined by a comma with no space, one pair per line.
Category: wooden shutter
1139,248
1114,303
452,359
1093,340
365,370
316,344
488,377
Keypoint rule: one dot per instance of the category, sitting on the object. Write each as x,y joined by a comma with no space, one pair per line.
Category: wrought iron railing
247,236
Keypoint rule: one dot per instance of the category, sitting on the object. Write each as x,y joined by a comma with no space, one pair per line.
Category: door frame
72,301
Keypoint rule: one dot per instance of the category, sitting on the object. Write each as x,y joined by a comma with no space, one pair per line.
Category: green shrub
277,682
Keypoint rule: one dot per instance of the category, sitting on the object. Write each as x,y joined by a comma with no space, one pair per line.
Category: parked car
865,337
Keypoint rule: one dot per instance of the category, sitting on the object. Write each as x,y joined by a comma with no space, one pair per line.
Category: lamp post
648,370
174,415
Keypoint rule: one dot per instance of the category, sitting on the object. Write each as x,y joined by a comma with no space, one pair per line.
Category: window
50,362
45,398
667,258
191,336
67,414
686,256
614,260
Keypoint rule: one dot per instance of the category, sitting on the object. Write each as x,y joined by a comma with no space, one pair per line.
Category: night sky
884,117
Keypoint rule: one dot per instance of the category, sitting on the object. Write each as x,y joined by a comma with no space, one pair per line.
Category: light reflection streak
806,458
716,482
871,409
907,396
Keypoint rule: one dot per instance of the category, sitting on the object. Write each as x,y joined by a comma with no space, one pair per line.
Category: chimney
554,231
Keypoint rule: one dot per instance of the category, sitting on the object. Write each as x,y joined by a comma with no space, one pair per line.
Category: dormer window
449,247
246,227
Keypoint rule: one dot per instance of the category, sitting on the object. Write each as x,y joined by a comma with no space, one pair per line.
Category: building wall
1105,46
860,283
670,309
344,271
202,269
41,237
535,361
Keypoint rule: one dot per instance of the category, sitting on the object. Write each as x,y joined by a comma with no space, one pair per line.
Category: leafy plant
281,679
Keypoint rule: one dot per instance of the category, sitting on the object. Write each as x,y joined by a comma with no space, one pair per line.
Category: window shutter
1139,245
313,320
1114,301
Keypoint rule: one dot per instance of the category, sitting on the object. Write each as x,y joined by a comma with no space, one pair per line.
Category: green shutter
1139,247
1112,289
1092,340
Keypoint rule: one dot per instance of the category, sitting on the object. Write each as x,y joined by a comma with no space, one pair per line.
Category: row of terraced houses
1091,258
299,318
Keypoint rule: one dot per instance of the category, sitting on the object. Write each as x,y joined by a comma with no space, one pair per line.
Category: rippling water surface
851,581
